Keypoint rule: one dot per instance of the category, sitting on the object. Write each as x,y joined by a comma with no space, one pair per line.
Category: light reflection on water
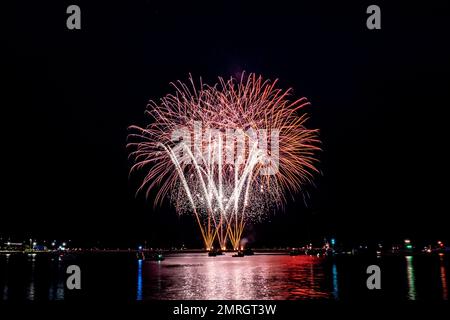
31,278
411,278
223,277
443,277
197,276
5,295
139,281
335,282
30,289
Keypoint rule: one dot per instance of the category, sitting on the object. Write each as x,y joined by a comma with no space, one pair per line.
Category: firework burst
226,153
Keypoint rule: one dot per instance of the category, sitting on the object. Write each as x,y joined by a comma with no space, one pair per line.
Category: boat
212,253
215,252
239,254
158,256
155,256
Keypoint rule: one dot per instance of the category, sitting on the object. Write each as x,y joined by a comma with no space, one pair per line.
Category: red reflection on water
443,278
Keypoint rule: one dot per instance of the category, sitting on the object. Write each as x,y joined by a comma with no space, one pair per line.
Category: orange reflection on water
443,277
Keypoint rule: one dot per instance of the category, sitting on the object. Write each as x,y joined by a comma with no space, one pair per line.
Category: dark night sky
378,97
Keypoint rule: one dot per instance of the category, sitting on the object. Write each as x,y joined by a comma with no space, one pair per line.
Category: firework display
228,153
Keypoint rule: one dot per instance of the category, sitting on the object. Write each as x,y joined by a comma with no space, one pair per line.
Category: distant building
13,245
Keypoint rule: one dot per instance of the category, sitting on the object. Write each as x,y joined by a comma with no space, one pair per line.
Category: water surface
197,276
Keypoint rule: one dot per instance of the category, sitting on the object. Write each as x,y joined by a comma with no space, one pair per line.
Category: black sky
380,99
